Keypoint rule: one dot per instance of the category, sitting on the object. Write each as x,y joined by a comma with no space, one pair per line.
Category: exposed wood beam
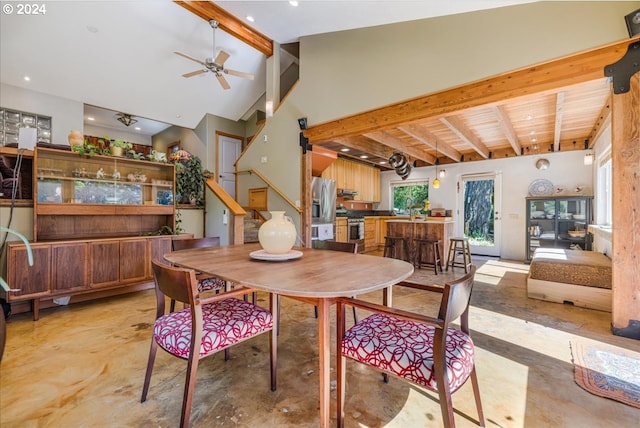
401,146
428,138
208,10
507,128
458,127
558,122
367,145
604,119
570,70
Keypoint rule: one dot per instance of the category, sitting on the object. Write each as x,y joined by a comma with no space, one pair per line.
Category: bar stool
457,247
395,246
428,246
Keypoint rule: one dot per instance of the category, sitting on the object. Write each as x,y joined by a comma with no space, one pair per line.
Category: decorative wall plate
541,187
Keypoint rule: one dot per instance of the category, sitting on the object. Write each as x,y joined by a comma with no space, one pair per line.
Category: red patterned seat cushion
209,284
225,322
405,348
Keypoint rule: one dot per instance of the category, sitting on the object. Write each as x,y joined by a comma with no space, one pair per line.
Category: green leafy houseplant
190,178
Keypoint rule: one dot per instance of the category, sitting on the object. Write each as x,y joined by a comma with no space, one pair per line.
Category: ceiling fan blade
221,58
223,81
194,73
239,74
190,58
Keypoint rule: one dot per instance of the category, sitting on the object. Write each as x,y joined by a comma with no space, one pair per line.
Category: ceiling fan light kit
215,64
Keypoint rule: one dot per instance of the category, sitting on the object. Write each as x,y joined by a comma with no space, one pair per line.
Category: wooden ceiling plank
557,130
507,128
604,119
399,145
457,126
566,71
208,10
428,138
367,145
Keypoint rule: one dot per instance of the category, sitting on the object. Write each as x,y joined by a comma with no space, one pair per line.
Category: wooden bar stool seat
396,247
431,250
459,247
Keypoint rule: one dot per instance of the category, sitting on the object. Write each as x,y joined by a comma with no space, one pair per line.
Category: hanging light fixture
442,173
588,158
126,119
436,181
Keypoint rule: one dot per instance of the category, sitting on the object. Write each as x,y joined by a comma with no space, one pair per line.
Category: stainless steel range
355,231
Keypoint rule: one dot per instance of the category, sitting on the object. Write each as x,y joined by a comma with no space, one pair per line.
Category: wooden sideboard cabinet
95,226
84,267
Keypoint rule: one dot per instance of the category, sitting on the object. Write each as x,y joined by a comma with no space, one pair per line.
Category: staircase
251,226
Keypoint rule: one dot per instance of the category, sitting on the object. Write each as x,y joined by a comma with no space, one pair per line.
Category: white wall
566,170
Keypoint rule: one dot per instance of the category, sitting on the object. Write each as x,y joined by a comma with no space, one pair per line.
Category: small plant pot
116,151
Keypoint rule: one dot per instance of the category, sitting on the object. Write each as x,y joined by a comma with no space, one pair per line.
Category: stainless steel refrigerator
323,197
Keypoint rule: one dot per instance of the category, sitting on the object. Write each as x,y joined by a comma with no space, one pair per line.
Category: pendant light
436,181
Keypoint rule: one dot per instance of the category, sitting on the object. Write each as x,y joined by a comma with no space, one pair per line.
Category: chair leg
172,306
189,386
476,394
446,406
274,302
341,361
355,315
147,376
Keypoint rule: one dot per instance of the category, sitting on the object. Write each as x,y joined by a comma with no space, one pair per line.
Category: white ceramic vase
278,234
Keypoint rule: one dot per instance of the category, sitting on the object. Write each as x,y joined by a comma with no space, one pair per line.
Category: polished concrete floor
82,365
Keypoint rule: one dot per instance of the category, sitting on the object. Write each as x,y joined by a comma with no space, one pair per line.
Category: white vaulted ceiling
119,54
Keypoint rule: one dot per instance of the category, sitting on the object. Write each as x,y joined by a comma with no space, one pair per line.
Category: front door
229,149
479,202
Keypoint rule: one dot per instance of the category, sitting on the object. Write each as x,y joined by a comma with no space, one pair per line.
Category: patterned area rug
608,372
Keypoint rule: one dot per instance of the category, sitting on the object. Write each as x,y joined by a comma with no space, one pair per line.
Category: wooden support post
626,211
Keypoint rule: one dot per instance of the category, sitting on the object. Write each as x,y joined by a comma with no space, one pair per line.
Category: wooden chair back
347,247
183,244
455,300
176,283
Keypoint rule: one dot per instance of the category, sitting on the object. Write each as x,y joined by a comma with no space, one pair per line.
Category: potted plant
118,147
190,178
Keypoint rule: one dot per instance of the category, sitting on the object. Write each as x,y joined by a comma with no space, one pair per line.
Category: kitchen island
432,228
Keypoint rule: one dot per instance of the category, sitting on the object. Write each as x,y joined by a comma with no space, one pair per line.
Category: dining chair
205,282
206,326
423,350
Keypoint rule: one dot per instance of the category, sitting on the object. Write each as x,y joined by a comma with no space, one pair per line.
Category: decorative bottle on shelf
278,234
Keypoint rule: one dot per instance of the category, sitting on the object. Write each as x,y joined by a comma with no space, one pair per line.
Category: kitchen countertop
424,220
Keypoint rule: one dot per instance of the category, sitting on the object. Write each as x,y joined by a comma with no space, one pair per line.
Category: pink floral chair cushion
405,348
224,323
209,284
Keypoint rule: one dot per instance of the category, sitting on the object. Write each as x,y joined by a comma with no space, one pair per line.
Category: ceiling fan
215,65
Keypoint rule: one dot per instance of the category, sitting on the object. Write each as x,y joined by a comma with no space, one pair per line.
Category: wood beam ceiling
401,146
428,138
558,122
457,126
570,70
208,10
507,128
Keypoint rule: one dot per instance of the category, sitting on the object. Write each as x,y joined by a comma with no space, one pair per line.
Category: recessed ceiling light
178,116
137,128
293,3
382,162
534,139
528,117
92,29
532,133
91,118
27,78
363,156
250,18
344,150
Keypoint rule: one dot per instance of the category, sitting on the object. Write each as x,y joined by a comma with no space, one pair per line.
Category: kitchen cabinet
557,222
341,229
370,233
355,176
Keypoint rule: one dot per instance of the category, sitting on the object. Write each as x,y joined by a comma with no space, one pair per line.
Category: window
605,199
409,195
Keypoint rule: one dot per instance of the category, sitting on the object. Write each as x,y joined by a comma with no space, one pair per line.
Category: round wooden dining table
317,277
